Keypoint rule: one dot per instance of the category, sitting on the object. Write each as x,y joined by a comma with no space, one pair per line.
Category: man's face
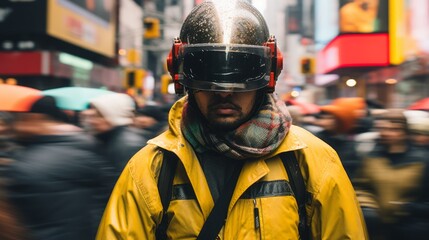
28,124
420,139
390,132
225,110
94,122
328,122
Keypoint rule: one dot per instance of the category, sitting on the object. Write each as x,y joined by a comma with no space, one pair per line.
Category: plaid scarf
257,137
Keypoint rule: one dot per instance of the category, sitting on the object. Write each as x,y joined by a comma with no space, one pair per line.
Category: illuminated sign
355,50
87,24
22,63
408,29
363,16
75,61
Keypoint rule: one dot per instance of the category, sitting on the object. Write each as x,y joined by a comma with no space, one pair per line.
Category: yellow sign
133,56
90,26
396,31
404,43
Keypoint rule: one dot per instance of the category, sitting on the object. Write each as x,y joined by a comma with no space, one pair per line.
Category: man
152,119
228,123
109,119
392,182
339,123
10,226
419,131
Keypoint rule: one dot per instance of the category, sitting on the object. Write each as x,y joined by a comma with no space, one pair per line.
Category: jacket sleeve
129,213
337,214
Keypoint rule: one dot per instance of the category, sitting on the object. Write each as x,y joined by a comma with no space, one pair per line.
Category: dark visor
220,67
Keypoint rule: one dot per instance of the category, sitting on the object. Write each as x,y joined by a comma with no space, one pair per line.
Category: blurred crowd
57,168
384,151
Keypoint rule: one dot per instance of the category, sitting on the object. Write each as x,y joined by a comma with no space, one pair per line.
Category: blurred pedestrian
296,115
392,183
152,119
339,121
10,226
57,183
7,146
234,144
110,120
364,134
419,133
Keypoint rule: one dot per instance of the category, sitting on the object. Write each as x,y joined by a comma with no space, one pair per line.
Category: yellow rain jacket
134,209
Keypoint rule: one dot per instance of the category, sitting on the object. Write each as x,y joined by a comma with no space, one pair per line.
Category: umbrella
306,108
75,98
16,98
422,104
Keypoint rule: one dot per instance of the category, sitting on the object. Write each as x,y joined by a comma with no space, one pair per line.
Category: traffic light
152,28
134,78
307,65
131,79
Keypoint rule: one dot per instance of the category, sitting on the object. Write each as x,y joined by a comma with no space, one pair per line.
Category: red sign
354,50
21,63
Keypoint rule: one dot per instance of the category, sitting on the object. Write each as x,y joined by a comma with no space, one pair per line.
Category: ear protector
276,64
173,65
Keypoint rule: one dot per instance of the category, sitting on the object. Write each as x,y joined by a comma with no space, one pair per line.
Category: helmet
225,47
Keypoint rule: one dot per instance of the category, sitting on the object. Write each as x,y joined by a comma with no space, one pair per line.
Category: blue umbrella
75,98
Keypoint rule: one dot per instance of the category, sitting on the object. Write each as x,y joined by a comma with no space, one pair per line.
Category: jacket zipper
256,218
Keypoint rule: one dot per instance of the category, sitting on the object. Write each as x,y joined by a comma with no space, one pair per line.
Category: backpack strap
217,216
298,187
165,186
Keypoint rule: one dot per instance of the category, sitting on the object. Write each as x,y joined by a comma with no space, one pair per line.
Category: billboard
87,24
408,29
354,50
363,16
